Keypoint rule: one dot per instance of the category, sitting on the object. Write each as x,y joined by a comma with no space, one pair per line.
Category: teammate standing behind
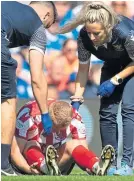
22,25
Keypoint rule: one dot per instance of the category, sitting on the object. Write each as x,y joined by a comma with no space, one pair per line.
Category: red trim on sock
34,155
84,157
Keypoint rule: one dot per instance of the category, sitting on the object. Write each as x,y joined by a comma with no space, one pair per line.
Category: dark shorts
8,70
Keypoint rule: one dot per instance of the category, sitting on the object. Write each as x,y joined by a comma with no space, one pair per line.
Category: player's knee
31,143
72,144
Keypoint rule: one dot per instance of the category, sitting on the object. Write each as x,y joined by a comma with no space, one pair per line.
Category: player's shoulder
77,129
32,108
27,108
30,104
50,101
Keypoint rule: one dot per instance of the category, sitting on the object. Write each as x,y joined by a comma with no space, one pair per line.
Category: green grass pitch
76,174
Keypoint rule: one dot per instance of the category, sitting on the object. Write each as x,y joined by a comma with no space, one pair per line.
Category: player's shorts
8,70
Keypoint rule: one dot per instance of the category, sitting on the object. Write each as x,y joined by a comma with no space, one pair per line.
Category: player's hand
33,169
47,123
106,89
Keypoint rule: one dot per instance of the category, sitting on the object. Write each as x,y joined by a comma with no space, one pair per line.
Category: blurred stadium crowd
61,60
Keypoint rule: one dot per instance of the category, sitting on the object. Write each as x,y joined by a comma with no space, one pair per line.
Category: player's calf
45,164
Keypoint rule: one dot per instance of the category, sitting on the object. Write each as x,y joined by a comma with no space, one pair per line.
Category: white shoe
8,172
51,157
107,158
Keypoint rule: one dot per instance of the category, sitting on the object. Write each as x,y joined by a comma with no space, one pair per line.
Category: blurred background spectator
61,60
24,90
122,7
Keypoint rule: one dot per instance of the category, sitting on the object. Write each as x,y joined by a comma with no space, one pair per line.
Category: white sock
43,167
95,166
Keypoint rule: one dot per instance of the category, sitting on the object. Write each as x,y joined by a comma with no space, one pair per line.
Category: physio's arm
129,46
39,83
81,79
129,70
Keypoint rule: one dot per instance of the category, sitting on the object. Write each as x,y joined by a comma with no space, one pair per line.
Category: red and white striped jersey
29,126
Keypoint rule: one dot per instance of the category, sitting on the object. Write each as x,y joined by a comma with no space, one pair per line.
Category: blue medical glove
76,104
47,123
72,77
106,89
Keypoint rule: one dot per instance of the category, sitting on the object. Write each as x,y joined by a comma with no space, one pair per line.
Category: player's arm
17,157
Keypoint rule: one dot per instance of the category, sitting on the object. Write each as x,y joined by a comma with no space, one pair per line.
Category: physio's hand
106,89
77,99
47,123
76,104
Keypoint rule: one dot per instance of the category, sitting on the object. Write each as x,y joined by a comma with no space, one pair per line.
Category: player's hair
49,4
61,113
93,11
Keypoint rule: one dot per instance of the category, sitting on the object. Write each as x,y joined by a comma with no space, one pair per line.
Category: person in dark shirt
22,25
109,37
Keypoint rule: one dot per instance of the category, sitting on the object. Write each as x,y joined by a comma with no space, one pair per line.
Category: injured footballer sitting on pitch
34,152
